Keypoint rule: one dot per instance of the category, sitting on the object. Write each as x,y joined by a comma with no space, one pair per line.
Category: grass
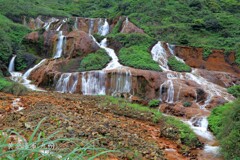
37,147
177,65
138,57
94,61
8,86
224,121
234,90
180,130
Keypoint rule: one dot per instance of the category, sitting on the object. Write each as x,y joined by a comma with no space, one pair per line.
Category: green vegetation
234,90
153,103
37,147
187,104
11,87
95,61
170,127
177,65
224,121
210,24
138,57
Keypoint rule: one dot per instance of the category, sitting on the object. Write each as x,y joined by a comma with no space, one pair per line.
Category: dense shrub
224,121
177,65
138,57
234,90
11,87
94,61
154,103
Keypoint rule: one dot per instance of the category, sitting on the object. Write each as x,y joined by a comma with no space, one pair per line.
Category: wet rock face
79,43
216,61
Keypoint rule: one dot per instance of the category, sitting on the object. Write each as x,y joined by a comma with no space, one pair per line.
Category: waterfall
20,78
121,82
76,23
48,24
115,61
63,21
170,91
200,127
171,49
60,45
28,72
91,26
93,83
103,30
11,66
126,23
159,55
67,83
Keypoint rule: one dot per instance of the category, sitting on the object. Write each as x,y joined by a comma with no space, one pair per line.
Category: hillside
130,79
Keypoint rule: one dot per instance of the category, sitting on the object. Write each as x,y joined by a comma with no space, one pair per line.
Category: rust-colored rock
129,27
79,43
32,37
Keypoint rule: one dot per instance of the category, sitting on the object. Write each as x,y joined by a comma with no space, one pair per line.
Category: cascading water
121,82
91,26
159,55
103,30
76,23
93,83
169,97
67,83
48,24
29,71
125,25
115,61
171,49
11,66
20,78
60,45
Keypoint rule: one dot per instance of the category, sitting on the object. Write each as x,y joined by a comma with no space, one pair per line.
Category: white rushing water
91,26
103,29
171,49
93,83
121,81
169,97
76,23
67,83
125,25
49,23
115,61
60,45
20,78
159,55
29,71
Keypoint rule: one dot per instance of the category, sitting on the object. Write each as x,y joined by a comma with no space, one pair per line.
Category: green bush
234,90
224,121
154,103
138,57
187,104
94,61
178,66
12,87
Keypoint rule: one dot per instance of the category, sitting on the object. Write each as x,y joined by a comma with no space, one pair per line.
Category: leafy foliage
153,103
234,90
177,65
94,61
224,121
11,87
138,57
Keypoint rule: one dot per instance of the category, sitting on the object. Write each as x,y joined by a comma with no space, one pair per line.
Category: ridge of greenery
210,24
234,90
94,61
224,121
177,65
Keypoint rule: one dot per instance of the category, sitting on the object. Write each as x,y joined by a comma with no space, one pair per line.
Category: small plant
234,90
187,104
94,61
154,103
45,148
177,65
